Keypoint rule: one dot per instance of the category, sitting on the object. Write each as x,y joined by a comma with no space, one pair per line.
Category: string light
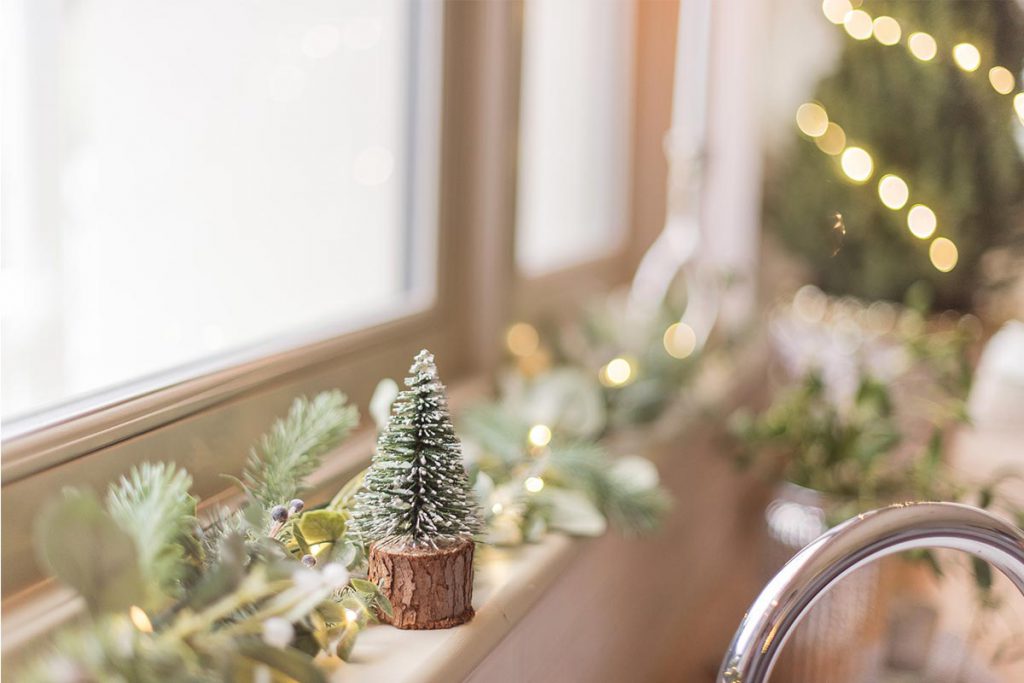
966,56
811,119
540,435
1001,79
858,24
836,10
856,164
533,484
679,340
893,191
833,141
943,254
351,616
922,46
497,508
522,340
617,372
139,619
887,30
921,221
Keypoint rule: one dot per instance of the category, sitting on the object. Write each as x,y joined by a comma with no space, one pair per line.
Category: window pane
575,126
196,177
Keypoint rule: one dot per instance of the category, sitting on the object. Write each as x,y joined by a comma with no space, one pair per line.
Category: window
196,181
575,132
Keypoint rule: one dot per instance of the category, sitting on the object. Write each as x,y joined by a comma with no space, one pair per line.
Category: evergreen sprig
153,506
284,457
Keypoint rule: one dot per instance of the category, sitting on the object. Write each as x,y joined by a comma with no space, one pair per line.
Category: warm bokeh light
679,340
921,221
858,24
966,56
943,254
533,484
1018,105
810,303
836,10
617,372
922,46
497,508
811,119
540,435
140,619
522,339
887,30
893,191
833,141
1001,79
856,164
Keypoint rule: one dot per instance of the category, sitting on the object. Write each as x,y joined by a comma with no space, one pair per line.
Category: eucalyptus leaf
574,513
364,586
84,548
322,526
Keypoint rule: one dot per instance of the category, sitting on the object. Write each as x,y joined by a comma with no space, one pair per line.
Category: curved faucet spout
816,568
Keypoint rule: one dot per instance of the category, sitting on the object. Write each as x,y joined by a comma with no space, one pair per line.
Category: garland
264,589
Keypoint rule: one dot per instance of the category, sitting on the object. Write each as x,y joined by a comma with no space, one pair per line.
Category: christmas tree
416,491
946,131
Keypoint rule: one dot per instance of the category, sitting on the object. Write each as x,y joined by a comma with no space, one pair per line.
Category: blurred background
817,204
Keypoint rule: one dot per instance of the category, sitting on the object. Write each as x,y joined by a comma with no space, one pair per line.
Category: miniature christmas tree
417,509
416,491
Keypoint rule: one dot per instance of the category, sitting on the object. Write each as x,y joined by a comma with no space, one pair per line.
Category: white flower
278,632
306,579
335,575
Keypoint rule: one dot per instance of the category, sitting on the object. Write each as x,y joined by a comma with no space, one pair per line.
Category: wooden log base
428,588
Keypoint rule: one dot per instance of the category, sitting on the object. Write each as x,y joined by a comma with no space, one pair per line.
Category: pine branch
279,465
153,506
635,509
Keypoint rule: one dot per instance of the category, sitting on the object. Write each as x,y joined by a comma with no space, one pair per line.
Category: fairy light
943,254
858,24
1018,105
1001,79
921,221
833,141
617,372
140,619
351,616
680,340
893,191
966,56
887,30
922,46
811,119
522,340
836,10
540,435
497,508
533,484
856,164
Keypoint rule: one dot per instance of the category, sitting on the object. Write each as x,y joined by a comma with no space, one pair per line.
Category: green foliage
416,490
152,504
947,133
632,502
83,547
294,447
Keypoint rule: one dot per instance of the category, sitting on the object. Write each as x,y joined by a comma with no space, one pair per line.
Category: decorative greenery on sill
261,591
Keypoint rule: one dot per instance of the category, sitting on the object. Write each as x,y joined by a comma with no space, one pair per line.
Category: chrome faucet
833,555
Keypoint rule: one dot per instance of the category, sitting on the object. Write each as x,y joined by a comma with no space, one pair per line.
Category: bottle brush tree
417,509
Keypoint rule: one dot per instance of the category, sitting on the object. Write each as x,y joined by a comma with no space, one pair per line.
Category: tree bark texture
427,588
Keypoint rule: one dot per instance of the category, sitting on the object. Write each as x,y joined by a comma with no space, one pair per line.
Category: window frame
208,422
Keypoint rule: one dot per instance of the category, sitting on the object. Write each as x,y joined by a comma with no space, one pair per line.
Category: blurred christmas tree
947,132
